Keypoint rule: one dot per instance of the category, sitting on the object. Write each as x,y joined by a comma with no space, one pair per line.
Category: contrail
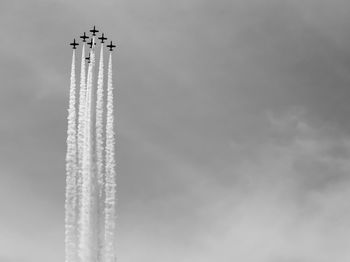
81,135
110,185
99,156
90,162
71,174
86,241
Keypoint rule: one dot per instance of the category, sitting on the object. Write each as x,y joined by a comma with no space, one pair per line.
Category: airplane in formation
111,46
74,44
84,37
88,58
91,43
94,31
102,38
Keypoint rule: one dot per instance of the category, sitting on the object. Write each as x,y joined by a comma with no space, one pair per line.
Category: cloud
232,120
287,202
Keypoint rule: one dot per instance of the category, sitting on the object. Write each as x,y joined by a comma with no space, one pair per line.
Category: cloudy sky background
232,121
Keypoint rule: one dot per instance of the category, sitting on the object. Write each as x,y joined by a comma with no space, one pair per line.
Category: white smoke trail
86,242
110,184
71,174
81,135
94,199
99,157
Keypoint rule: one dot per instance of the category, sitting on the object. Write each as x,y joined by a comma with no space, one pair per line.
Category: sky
232,121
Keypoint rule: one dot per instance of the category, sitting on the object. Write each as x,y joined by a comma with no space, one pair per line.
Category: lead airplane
84,37
94,31
74,44
111,46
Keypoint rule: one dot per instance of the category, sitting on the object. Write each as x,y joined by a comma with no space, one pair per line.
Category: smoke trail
110,185
99,156
71,173
94,199
81,135
86,242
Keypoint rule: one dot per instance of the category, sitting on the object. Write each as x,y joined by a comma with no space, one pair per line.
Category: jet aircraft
74,44
111,46
91,43
93,31
102,38
84,37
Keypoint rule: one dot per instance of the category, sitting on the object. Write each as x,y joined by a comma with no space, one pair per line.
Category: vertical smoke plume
86,239
110,184
99,156
81,135
91,179
71,174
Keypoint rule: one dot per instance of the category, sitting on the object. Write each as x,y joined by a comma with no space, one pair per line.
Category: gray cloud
232,127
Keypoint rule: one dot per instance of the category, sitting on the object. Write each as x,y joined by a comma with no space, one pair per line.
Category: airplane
90,43
74,44
88,58
84,37
94,31
111,46
102,38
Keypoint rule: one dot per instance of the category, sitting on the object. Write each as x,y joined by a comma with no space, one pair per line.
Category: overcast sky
232,119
